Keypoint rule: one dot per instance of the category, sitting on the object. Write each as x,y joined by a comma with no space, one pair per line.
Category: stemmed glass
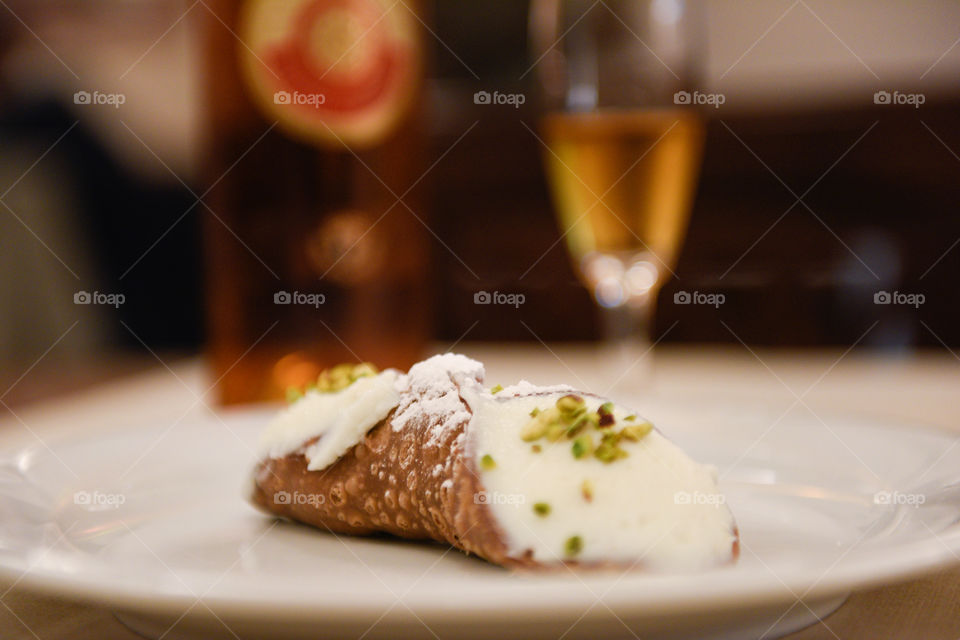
624,143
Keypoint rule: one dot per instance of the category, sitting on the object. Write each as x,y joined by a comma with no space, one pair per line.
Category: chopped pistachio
343,375
582,446
539,426
587,419
341,372
555,431
497,389
586,490
535,412
635,432
542,509
487,463
536,448
570,403
325,382
608,453
577,426
533,430
573,545
604,453
606,407
631,417
609,435
293,394
364,370
550,415
609,449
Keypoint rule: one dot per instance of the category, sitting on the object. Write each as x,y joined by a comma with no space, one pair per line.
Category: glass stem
625,347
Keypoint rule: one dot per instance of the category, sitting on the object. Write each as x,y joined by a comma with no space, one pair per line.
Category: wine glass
624,143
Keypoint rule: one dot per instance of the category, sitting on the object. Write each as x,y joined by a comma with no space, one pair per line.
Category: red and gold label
331,71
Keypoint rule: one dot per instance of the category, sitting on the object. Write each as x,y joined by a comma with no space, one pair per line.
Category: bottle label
331,71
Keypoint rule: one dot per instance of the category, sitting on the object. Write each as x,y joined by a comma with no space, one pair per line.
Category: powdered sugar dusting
430,393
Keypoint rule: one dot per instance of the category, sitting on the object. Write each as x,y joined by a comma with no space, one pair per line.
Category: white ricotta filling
657,506
340,419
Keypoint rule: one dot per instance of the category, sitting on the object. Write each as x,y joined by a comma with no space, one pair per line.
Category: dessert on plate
522,476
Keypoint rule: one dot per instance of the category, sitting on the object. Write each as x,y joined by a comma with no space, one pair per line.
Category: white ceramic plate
149,518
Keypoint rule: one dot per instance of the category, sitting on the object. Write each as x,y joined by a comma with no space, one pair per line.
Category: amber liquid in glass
623,180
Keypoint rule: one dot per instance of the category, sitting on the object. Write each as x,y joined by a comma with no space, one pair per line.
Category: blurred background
135,164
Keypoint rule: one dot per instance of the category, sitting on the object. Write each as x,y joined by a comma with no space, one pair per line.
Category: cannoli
522,476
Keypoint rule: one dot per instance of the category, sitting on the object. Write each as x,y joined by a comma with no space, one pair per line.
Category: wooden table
920,388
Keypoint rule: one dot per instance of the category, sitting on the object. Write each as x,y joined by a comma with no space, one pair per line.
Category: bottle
314,251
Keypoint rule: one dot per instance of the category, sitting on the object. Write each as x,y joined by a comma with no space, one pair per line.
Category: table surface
918,388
